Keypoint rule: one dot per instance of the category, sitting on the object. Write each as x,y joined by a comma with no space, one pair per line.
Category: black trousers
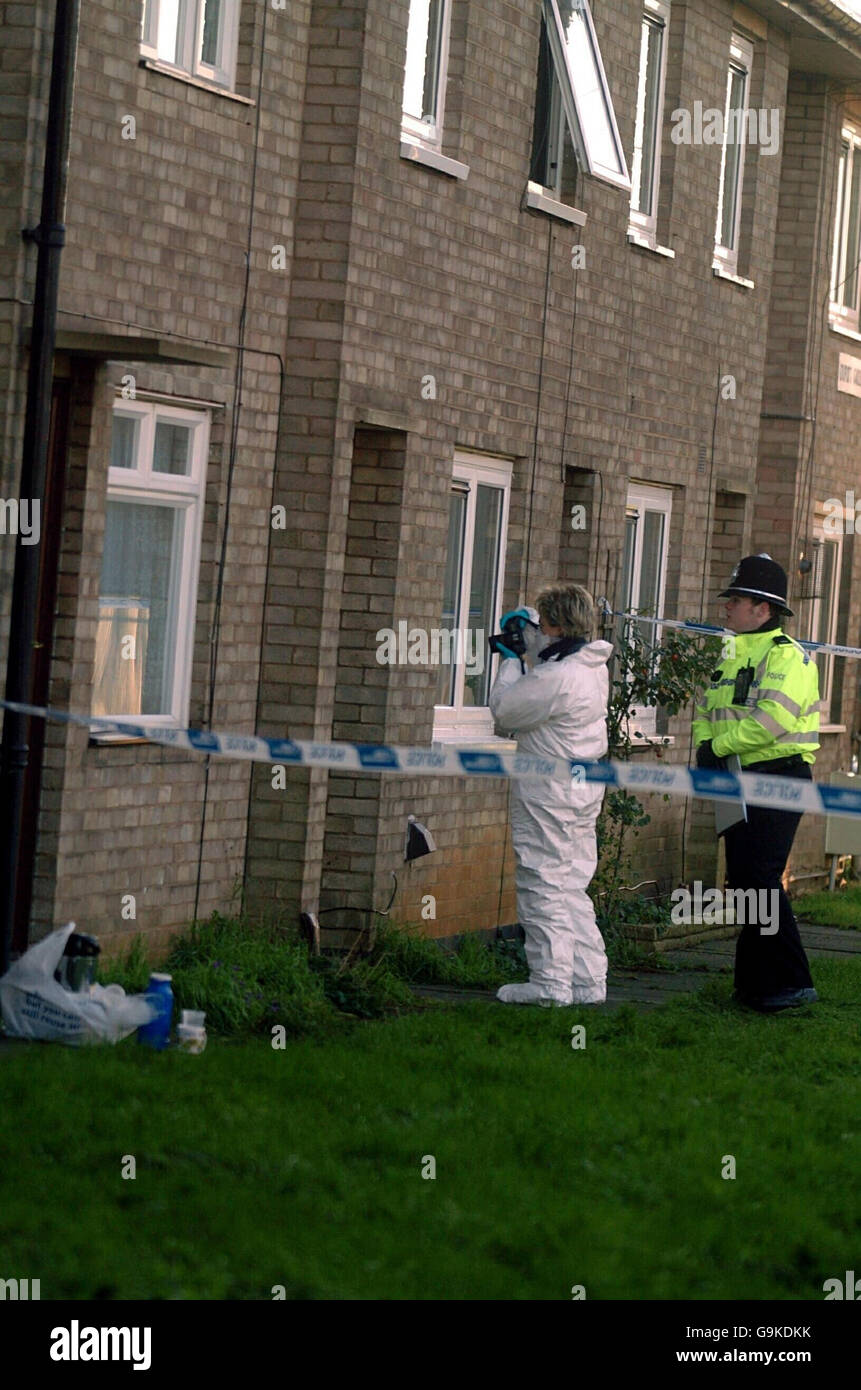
756,853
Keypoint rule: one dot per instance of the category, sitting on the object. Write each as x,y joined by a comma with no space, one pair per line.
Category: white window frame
574,101
459,722
826,671
186,493
655,13
740,60
840,313
428,131
223,72
644,497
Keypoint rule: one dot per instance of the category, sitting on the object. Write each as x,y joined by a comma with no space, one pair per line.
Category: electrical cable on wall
238,380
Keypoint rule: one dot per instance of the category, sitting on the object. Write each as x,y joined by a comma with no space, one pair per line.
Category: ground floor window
472,594
150,559
644,569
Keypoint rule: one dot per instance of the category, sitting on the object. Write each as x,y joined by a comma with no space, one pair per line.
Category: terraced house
372,318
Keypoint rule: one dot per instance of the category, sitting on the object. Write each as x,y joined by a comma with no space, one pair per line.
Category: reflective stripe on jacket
780,715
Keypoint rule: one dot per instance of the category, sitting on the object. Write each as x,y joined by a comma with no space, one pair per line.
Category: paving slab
647,989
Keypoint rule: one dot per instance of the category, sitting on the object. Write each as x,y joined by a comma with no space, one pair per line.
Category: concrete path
647,989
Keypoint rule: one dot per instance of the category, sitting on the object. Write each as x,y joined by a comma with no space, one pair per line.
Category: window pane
422,61
849,293
594,111
825,608
124,442
836,277
451,590
482,591
172,453
170,18
627,593
209,47
648,113
650,572
733,137
136,601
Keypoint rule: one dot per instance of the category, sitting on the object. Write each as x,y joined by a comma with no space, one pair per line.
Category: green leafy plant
644,676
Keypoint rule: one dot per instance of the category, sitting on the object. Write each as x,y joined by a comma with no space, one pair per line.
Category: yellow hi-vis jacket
763,702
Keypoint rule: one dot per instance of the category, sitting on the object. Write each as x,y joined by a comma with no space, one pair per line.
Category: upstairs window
197,37
425,71
732,154
645,168
573,89
847,231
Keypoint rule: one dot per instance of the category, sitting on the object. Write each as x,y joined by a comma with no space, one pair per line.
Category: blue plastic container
157,1033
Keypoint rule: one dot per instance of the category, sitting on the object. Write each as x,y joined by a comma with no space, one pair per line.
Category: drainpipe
49,237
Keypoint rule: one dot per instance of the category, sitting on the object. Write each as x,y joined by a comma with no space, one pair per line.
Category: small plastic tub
190,1039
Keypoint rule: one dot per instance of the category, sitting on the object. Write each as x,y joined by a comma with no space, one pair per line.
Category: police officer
763,705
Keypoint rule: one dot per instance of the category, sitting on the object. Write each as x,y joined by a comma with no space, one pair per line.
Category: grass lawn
839,909
554,1166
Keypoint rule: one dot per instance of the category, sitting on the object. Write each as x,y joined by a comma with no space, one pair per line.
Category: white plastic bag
35,1005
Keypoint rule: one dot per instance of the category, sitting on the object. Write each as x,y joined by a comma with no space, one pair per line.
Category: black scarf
564,646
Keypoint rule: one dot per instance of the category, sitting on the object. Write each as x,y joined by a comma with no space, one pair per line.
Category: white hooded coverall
559,710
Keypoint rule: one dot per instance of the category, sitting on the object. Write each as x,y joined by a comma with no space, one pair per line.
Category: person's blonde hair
568,606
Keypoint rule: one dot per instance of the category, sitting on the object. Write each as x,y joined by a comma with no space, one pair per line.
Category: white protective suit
558,709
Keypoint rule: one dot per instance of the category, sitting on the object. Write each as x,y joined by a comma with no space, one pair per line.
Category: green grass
302,1167
838,909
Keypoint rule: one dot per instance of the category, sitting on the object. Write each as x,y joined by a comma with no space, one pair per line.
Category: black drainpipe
49,237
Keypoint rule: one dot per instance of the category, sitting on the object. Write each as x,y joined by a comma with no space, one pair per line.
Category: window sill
153,65
643,243
489,742
653,741
721,273
432,159
106,740
832,728
538,198
844,331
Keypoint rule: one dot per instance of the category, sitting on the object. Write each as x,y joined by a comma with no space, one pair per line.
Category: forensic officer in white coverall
558,708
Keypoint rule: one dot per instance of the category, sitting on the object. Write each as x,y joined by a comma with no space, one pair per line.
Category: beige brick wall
584,379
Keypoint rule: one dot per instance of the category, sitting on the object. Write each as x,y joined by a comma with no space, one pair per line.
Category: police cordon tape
758,789
710,630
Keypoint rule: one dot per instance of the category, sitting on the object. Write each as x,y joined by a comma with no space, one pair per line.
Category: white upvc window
472,595
735,126
425,71
150,562
646,164
826,555
583,93
644,569
847,231
198,37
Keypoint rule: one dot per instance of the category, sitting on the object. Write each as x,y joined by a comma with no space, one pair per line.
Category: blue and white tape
710,630
758,789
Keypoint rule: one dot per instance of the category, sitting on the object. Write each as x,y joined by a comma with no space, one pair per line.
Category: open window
425,71
472,595
573,102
